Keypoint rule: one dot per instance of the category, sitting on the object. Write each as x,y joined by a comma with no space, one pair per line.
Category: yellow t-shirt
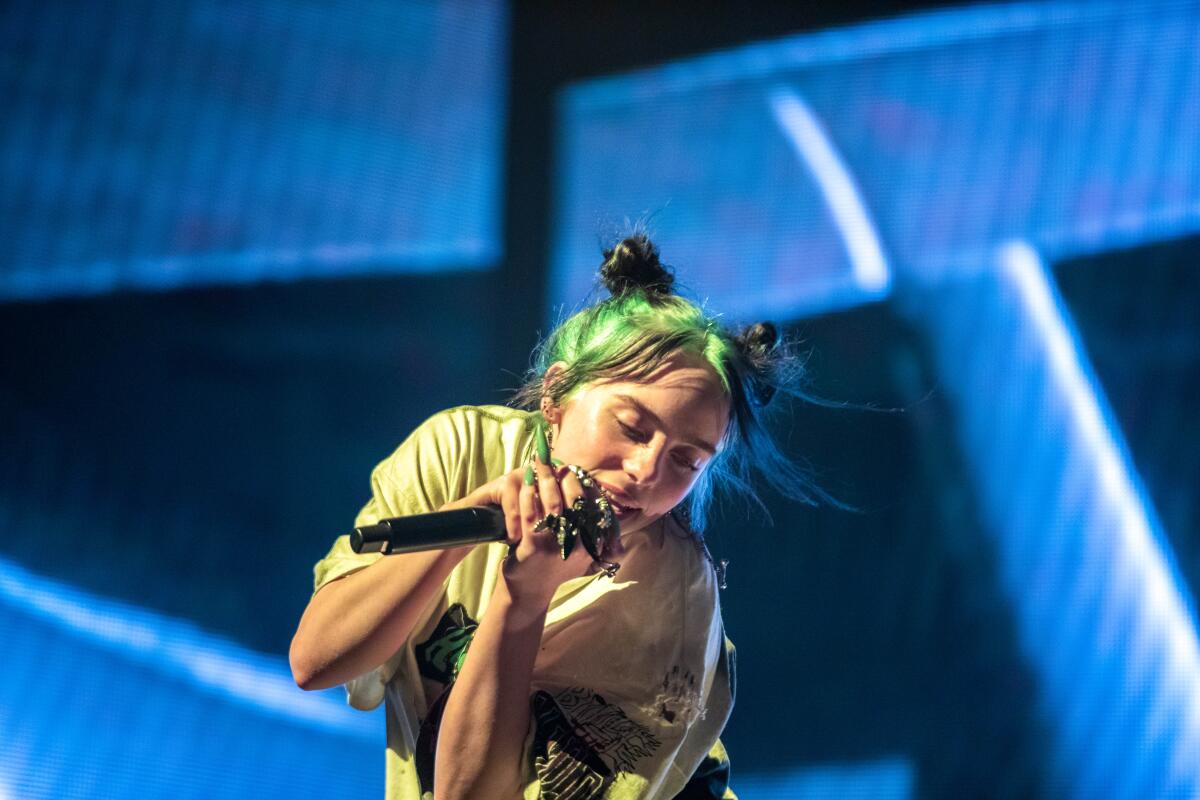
633,682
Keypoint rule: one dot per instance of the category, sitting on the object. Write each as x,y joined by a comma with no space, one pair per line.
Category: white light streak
177,649
837,186
1161,603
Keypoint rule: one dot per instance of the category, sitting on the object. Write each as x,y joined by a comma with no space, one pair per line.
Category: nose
642,462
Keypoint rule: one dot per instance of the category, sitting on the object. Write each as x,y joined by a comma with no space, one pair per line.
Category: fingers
557,487
529,494
531,508
571,487
547,486
511,493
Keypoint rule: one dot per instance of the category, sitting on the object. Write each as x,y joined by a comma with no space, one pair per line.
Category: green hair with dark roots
627,336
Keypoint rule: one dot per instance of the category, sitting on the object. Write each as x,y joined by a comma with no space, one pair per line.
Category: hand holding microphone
541,507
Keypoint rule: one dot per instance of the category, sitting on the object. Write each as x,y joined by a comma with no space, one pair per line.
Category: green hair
627,336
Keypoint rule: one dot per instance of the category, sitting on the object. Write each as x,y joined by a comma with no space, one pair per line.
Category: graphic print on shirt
439,658
582,742
441,655
679,700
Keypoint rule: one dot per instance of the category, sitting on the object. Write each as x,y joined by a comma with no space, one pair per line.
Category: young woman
585,658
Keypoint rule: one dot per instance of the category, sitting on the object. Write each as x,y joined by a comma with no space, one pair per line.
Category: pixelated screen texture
99,699
157,145
773,171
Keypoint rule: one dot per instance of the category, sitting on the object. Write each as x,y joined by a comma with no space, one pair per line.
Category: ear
550,411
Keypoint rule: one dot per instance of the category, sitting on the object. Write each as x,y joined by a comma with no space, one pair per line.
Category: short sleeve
710,781
415,479
710,777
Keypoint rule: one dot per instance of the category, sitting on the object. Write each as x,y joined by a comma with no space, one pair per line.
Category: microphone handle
436,531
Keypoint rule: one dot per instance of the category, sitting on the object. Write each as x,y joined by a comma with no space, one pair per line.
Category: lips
620,510
621,504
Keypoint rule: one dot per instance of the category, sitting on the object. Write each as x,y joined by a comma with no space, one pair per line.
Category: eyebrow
697,443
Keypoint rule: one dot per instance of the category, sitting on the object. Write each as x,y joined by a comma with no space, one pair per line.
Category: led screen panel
817,171
156,145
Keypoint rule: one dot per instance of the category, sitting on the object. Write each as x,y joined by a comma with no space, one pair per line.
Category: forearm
355,623
484,725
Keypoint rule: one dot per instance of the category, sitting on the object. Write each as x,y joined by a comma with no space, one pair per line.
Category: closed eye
635,435
632,433
684,461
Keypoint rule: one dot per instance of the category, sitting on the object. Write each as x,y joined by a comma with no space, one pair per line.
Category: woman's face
646,442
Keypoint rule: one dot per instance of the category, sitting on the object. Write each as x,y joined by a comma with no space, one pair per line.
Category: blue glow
213,143
829,48
211,664
936,139
99,699
885,779
1103,615
1068,125
837,186
1144,589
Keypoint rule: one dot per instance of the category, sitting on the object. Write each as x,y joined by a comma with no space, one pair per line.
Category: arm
355,623
487,714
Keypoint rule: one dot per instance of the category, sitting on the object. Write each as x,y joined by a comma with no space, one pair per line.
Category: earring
549,429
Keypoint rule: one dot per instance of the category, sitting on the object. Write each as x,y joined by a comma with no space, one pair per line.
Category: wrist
451,556
519,610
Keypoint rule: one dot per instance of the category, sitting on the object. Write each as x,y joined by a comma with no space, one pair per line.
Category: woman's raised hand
535,567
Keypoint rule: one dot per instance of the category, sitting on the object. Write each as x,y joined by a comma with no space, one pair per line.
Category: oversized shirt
633,681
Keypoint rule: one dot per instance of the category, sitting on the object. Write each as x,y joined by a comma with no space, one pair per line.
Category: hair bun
633,264
760,338
758,343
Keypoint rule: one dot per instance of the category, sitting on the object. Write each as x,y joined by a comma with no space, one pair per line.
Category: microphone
435,531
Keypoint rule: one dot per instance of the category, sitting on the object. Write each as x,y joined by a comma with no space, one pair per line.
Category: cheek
587,442
673,492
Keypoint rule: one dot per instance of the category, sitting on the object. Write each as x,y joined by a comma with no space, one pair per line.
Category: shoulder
688,549
479,440
475,418
450,454
500,435
494,422
471,427
715,650
688,568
